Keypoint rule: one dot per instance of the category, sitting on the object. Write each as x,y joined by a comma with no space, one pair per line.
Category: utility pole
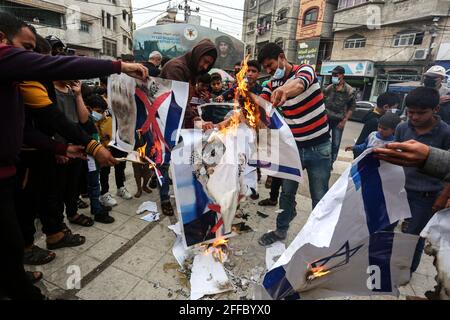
187,10
210,23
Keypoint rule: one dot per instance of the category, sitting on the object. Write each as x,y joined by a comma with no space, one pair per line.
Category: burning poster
342,249
213,171
151,111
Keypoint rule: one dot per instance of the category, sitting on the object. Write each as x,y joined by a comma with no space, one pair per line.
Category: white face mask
279,73
394,110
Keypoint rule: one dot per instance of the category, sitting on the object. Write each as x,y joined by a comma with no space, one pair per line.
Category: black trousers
68,179
275,188
119,171
37,194
14,283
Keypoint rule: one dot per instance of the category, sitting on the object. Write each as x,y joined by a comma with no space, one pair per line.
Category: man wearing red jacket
18,62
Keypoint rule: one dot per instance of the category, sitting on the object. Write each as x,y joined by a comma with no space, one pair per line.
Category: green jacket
337,103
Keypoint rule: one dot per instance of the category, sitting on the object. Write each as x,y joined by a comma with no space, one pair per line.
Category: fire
219,249
314,273
141,151
249,110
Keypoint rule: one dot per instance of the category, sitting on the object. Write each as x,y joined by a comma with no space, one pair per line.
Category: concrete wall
379,43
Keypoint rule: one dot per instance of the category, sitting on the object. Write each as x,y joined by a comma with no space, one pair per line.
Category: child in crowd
424,193
385,134
216,85
94,113
386,102
202,90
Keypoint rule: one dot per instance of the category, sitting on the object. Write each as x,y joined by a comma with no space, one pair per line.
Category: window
124,40
114,23
130,44
124,15
103,18
249,49
251,26
349,3
282,14
310,17
108,21
109,47
264,24
355,42
252,3
84,26
408,39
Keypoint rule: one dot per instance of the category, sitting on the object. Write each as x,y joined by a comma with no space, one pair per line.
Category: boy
385,134
252,75
387,101
88,119
216,85
426,127
202,90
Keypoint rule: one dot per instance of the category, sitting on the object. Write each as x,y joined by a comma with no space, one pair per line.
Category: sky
225,19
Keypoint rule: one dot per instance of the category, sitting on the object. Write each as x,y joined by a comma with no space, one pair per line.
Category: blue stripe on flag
274,167
275,122
372,193
380,252
277,285
356,177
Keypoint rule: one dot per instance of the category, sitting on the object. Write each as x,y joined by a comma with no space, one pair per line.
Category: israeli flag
342,250
277,153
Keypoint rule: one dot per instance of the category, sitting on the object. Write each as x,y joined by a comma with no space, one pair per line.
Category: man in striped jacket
295,89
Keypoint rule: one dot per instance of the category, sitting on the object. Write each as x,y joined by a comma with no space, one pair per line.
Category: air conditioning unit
420,54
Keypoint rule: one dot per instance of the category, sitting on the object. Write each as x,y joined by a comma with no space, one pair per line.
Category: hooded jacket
185,69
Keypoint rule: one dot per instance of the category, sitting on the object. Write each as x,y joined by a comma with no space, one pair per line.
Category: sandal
68,240
34,276
167,209
38,256
268,238
81,220
104,218
268,202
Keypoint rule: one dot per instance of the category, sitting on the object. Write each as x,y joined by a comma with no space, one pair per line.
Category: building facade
97,28
270,21
380,43
315,31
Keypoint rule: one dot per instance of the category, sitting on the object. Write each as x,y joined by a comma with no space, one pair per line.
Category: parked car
362,109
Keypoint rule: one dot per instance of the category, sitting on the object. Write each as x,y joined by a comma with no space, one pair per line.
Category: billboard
175,39
363,68
308,51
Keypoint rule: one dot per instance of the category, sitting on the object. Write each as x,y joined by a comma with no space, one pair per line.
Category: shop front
359,74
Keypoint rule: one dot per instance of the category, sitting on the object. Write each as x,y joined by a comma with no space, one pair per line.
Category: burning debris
314,273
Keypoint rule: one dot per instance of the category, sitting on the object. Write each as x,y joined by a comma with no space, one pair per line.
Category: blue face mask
96,116
279,73
335,80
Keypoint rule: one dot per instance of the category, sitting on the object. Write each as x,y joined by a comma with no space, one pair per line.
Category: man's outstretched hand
408,154
135,70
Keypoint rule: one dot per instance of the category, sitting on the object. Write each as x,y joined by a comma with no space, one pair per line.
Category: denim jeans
336,137
421,212
317,162
94,191
164,189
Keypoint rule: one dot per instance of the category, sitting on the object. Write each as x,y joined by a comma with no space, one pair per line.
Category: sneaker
254,195
108,200
123,193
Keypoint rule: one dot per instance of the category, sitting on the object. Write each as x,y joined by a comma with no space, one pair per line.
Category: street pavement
132,259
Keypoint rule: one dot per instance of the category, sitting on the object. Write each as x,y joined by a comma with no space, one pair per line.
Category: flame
314,273
319,272
141,151
249,110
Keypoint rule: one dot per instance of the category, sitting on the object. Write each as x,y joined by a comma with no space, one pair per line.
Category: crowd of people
55,133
